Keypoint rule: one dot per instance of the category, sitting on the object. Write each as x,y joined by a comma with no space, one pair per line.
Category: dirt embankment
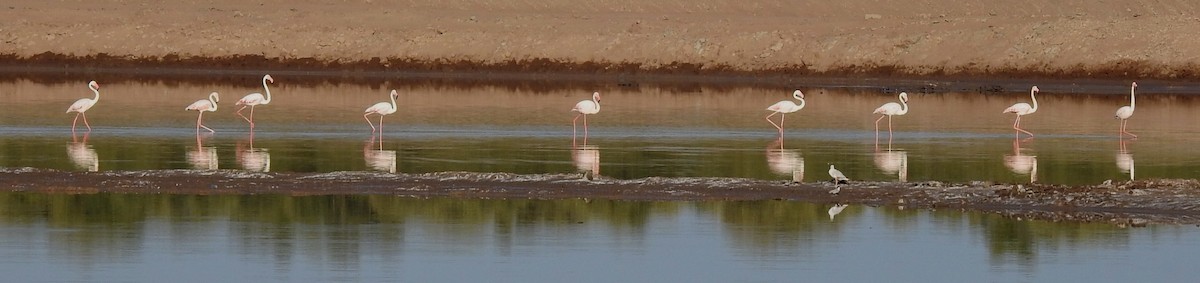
1122,203
1134,39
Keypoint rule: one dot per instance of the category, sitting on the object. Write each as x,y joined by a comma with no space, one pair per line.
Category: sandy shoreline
1122,203
1068,39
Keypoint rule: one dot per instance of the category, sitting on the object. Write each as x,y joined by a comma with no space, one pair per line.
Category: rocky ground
1131,203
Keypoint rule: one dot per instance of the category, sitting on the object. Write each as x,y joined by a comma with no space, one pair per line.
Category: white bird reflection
893,162
204,157
377,158
82,154
587,158
836,209
785,161
253,159
1125,160
1020,163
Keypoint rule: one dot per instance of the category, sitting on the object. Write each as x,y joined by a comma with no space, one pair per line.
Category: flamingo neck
394,107
94,90
596,99
1132,101
213,98
903,107
268,90
801,106
1031,97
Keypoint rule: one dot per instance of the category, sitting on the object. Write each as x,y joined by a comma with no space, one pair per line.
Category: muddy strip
1133,203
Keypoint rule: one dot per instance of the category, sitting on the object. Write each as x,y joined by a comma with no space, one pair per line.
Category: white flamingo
83,104
254,99
585,107
381,109
783,108
1022,109
202,105
1125,112
891,109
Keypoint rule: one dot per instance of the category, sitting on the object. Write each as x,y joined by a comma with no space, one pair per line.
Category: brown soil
1134,39
1129,203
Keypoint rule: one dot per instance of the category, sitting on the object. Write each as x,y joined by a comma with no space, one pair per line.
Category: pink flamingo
202,105
253,99
888,110
381,109
1022,109
1125,112
584,108
83,104
784,107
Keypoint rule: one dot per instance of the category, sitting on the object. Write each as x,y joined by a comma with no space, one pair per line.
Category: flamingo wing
890,108
1019,109
81,105
251,99
785,106
382,108
200,105
1124,112
586,107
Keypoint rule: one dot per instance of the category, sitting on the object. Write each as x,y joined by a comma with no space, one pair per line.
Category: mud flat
1132,203
1136,39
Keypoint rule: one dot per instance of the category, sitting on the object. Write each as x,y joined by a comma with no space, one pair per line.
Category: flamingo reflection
377,158
1020,163
785,161
587,159
203,158
82,154
893,162
253,159
1125,160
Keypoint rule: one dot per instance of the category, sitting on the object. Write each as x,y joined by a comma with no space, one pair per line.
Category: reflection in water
1125,160
203,158
253,159
785,161
377,158
836,209
587,158
82,154
893,162
1020,163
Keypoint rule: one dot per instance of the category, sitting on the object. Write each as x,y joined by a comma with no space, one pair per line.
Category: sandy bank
1134,39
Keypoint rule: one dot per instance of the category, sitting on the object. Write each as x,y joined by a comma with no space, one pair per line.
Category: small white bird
838,177
836,190
836,209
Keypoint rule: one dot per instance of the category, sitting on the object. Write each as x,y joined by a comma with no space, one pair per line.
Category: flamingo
784,107
253,99
202,105
584,108
1125,112
1022,109
381,109
837,175
888,110
83,104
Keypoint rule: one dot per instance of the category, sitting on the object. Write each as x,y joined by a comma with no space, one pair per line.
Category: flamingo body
1022,109
783,108
381,109
83,104
888,110
254,99
1125,112
585,107
209,105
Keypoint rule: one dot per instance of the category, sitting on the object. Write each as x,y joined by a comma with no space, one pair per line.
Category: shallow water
641,131
142,237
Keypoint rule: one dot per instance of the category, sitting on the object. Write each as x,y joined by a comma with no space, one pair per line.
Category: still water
641,131
126,237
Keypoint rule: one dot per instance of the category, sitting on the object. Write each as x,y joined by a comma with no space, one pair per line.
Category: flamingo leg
251,116
381,127
889,129
877,127
782,117
73,122
369,122
574,126
85,122
239,113
1124,123
200,123
777,126
1017,126
585,129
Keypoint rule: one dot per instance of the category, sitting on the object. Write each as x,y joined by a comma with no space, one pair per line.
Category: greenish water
141,237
